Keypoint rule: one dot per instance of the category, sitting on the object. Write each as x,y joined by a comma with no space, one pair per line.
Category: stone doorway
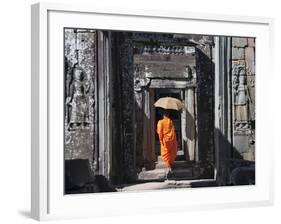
158,75
186,166
149,63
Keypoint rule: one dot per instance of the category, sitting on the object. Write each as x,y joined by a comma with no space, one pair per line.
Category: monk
168,139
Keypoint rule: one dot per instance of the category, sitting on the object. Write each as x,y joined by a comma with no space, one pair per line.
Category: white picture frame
48,201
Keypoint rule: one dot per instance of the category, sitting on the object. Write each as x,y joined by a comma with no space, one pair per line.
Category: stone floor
184,174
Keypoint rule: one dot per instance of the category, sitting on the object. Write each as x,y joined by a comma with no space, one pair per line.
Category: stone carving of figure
242,100
77,100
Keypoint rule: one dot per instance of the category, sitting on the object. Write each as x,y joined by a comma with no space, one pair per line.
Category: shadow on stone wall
191,122
205,74
232,168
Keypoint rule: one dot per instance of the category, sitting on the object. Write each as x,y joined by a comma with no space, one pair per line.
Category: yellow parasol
169,103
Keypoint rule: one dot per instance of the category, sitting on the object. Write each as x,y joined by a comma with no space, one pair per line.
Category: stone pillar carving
80,89
190,123
243,98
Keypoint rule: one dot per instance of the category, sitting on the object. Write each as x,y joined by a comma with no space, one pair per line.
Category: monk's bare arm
160,132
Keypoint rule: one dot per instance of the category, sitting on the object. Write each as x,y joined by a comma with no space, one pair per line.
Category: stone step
160,164
178,158
152,174
177,174
176,165
182,174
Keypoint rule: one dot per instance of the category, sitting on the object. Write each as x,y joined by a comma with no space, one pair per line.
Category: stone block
239,42
70,38
250,155
243,176
238,53
250,59
241,143
251,42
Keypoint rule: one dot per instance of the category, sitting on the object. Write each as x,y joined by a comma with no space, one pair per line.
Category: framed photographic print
148,111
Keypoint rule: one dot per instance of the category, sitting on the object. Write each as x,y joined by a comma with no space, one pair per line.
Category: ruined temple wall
80,94
243,98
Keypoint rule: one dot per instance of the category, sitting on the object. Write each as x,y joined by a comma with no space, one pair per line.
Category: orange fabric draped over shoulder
168,140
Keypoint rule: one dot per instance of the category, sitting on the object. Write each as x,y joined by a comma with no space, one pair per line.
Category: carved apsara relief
242,98
78,112
242,103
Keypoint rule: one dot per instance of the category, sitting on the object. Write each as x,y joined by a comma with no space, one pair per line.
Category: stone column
127,104
223,116
190,124
205,104
148,130
152,128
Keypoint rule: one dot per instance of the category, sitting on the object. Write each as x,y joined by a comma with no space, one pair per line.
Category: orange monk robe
168,140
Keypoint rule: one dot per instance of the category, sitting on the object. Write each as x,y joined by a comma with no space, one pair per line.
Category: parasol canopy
169,103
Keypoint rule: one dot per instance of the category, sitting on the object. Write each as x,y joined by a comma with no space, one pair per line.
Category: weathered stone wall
80,94
243,98
127,105
205,104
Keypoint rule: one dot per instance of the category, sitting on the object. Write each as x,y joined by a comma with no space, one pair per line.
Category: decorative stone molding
166,50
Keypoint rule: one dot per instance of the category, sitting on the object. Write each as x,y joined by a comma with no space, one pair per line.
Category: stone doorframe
223,105
144,95
140,76
104,104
